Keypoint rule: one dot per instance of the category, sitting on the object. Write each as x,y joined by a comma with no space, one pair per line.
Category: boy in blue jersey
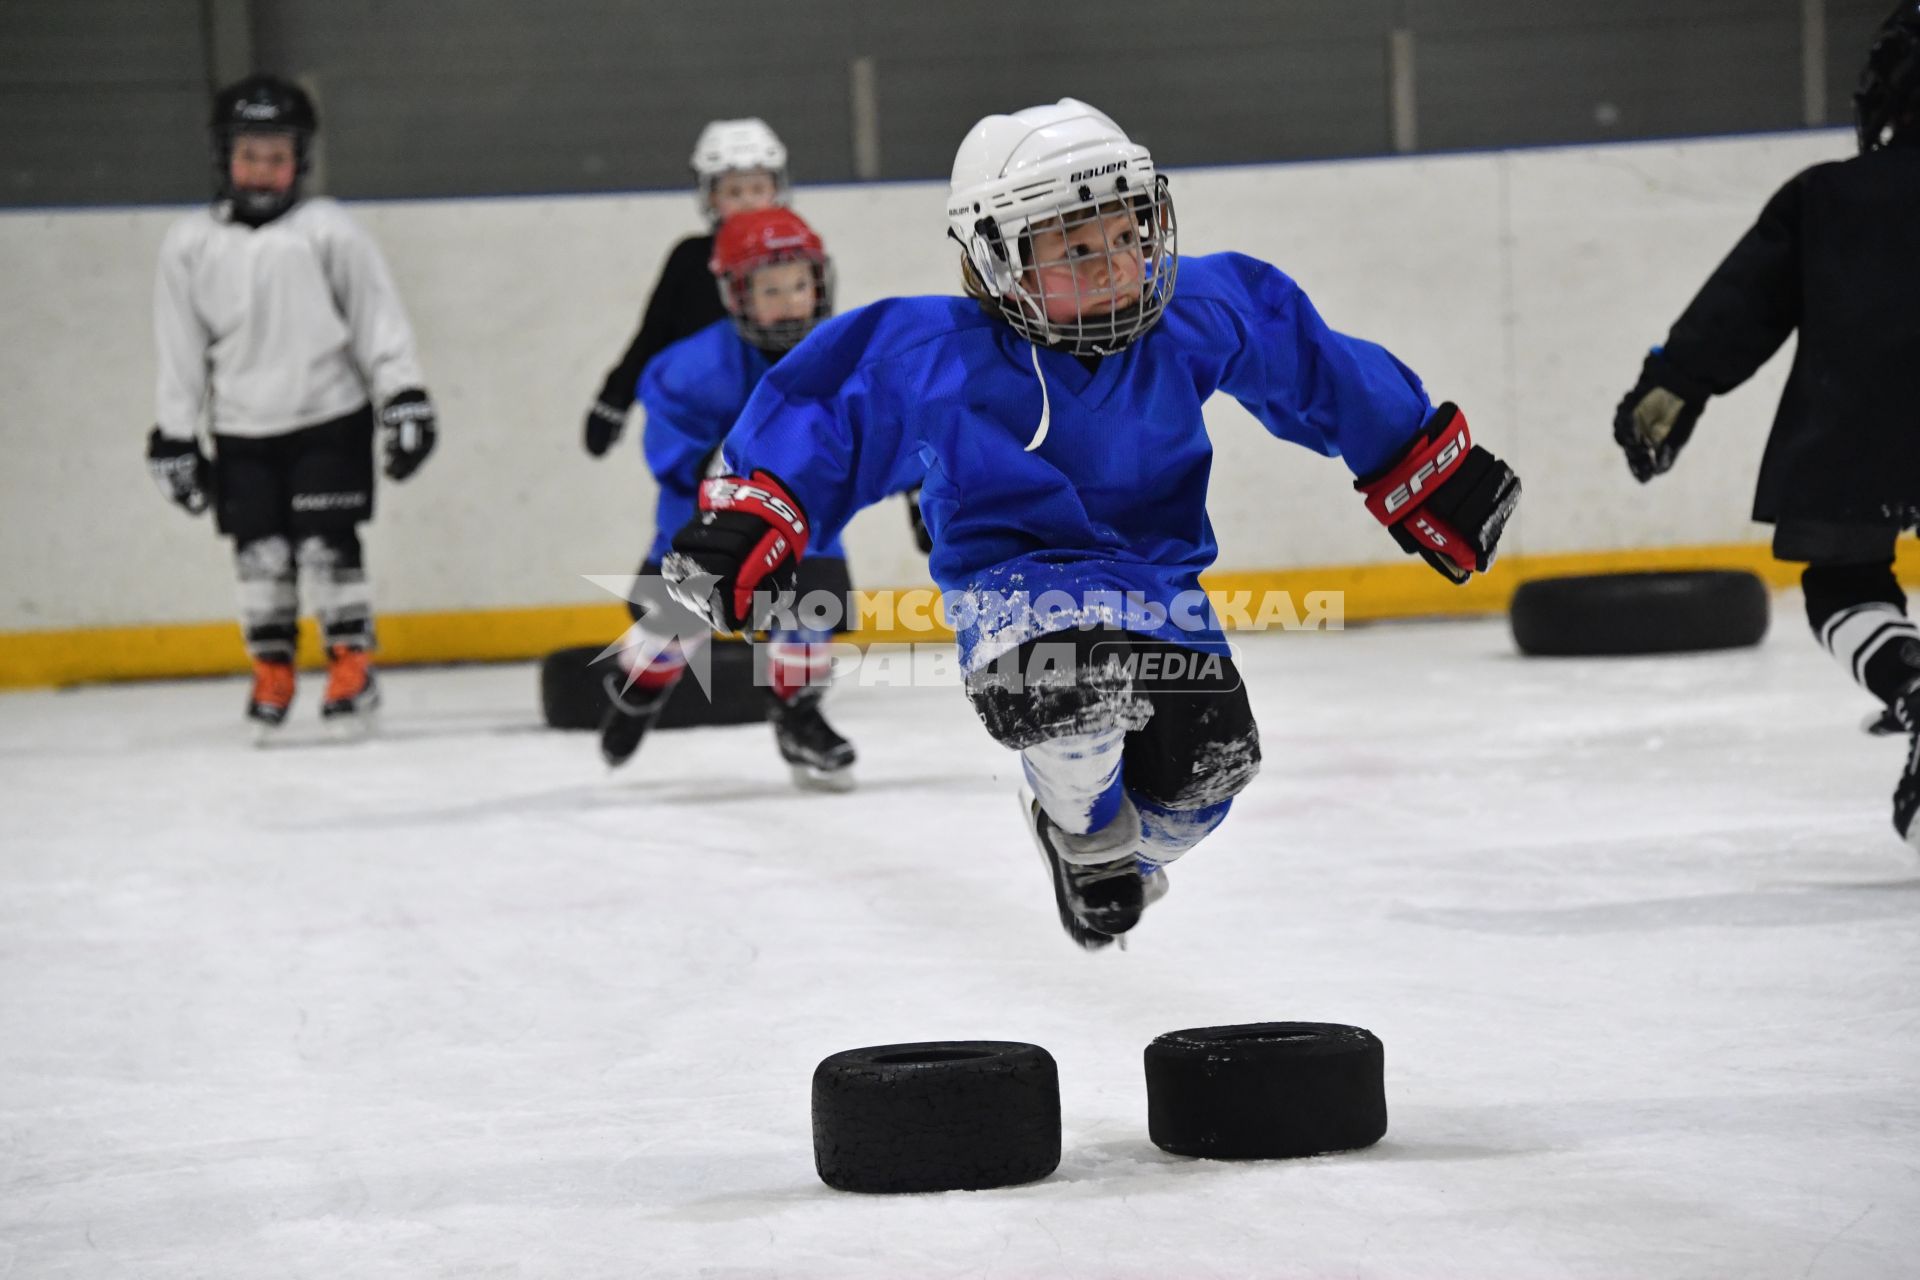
776,283
1057,412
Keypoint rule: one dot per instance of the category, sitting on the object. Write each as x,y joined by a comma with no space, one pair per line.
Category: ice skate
1906,797
819,758
272,696
1906,794
631,712
353,696
1097,882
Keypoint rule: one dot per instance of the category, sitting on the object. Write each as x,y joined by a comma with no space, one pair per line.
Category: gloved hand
605,422
408,423
746,542
181,470
1657,417
1445,497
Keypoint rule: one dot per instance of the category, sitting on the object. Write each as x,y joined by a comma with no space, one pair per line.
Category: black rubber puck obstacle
1605,614
573,690
1265,1091
950,1115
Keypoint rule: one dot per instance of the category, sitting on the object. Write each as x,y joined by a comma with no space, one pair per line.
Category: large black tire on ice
571,696
950,1115
573,690
1266,1091
1607,614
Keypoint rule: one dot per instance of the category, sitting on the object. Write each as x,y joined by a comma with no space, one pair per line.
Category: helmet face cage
782,336
1146,247
1886,102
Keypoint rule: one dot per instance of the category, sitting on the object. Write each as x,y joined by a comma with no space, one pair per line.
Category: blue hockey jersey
1052,490
692,392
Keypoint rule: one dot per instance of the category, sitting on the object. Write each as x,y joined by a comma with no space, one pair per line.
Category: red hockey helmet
748,242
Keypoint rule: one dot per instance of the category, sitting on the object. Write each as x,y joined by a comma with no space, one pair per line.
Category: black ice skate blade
614,759
1907,805
1101,931
1882,724
1084,935
616,748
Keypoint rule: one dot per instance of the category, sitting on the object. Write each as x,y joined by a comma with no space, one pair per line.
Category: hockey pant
292,504
1856,609
1108,719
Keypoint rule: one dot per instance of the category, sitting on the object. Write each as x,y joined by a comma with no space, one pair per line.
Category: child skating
1835,256
1057,411
776,282
279,332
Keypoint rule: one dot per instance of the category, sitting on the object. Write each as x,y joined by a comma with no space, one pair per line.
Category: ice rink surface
1641,945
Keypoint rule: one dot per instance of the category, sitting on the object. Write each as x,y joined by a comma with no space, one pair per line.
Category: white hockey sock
798,660
1070,775
645,653
269,604
337,586
1868,640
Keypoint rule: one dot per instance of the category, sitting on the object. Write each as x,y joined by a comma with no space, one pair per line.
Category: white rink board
1636,935
1524,285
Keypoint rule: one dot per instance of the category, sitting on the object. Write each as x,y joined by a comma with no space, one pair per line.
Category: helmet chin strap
1046,404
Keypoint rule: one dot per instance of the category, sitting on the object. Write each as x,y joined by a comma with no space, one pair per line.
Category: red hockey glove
1444,497
738,560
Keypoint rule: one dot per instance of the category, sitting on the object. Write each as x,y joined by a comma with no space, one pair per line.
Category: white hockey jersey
266,330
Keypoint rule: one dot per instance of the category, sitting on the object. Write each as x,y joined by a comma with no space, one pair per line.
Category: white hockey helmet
1059,165
736,146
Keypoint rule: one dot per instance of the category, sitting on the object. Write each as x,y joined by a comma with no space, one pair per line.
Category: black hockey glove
922,536
1656,419
605,422
409,426
738,560
1445,497
181,470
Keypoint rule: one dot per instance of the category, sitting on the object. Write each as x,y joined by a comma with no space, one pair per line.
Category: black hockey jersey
1836,255
685,301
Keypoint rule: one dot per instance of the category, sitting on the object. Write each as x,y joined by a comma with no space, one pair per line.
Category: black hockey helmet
1886,105
260,104
264,104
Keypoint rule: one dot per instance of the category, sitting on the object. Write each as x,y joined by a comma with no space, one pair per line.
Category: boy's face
781,292
1093,267
262,162
742,191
